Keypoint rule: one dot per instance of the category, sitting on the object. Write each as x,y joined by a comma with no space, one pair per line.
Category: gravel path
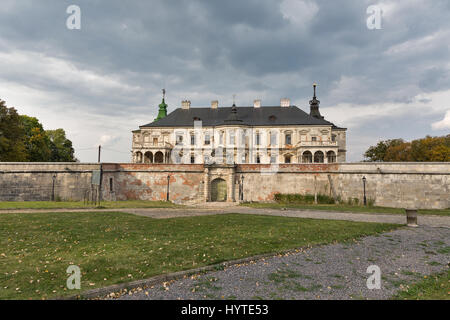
335,271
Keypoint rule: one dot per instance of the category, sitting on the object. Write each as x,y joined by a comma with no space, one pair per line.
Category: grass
111,248
81,205
345,208
434,287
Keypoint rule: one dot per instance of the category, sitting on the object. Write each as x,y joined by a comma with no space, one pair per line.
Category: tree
23,138
12,146
398,152
420,150
61,147
431,148
378,152
37,143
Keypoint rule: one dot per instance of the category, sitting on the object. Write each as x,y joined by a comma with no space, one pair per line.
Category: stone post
411,218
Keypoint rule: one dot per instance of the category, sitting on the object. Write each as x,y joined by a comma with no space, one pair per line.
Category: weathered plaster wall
422,185
149,182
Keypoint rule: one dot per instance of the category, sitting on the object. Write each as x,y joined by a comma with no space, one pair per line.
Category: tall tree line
428,149
23,138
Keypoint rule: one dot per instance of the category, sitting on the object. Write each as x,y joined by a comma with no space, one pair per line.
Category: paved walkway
164,213
337,271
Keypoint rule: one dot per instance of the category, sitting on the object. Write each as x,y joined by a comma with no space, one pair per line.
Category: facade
239,135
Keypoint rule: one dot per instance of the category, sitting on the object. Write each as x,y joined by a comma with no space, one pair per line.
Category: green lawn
81,204
435,287
110,248
344,208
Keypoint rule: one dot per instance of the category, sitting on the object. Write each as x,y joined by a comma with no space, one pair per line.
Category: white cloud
299,12
415,46
34,65
443,124
435,102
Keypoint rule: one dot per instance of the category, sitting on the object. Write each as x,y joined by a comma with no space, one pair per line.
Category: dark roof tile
263,116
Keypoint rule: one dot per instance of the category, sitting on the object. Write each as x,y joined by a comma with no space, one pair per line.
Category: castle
239,135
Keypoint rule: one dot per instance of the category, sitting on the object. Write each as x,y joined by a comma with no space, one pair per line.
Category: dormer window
272,118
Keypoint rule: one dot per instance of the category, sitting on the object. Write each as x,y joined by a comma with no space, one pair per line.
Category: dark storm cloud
207,49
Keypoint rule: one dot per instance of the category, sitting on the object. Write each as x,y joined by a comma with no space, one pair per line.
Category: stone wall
422,185
149,182
34,181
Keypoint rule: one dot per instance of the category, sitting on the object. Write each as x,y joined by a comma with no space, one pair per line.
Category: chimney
257,104
214,104
285,102
185,104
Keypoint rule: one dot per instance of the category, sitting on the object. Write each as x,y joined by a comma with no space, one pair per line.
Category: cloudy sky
103,81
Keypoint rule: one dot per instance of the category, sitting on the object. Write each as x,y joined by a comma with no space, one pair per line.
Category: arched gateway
218,190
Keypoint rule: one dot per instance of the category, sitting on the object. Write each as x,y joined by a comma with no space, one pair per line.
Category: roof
263,116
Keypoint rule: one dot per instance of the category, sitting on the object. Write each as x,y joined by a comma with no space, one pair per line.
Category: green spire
162,107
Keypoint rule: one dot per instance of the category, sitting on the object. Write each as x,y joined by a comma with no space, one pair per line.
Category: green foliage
12,146
23,138
421,150
37,143
61,147
434,287
378,152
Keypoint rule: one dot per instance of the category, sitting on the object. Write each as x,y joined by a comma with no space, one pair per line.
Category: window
288,138
111,185
207,139
258,159
221,138
313,139
179,139
232,137
287,159
273,159
258,139
192,158
273,138
155,141
333,137
192,140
